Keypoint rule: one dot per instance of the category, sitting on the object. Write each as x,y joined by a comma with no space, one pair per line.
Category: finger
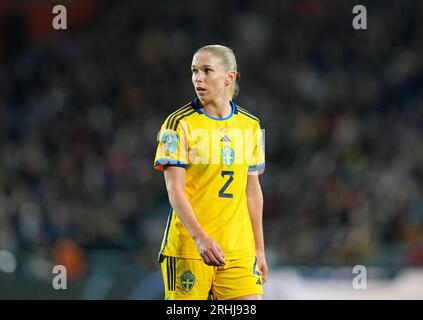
206,259
213,259
218,254
264,272
220,251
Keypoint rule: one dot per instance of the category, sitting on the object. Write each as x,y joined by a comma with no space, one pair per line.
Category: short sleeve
257,163
172,148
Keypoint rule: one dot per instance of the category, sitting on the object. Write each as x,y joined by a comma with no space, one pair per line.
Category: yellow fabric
218,155
190,279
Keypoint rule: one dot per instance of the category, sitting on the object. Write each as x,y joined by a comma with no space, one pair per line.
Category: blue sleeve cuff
161,163
257,168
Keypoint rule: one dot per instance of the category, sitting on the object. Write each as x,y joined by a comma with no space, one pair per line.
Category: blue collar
196,103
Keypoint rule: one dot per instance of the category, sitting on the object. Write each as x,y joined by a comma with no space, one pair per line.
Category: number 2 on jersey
222,193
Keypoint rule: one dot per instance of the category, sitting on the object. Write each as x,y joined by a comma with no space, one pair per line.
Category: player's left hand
262,265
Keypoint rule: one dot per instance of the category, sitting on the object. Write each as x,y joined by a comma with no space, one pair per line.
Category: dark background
80,110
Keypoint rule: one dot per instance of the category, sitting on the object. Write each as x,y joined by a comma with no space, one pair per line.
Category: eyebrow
203,66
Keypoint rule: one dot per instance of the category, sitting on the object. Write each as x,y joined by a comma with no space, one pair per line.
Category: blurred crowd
342,109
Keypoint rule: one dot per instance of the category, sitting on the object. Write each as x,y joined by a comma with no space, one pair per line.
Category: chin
202,99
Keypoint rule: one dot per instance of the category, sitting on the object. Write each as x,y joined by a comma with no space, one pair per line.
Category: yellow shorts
189,279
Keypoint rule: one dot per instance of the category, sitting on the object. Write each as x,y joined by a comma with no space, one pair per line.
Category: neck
220,108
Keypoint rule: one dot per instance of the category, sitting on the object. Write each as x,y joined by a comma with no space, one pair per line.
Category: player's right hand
210,251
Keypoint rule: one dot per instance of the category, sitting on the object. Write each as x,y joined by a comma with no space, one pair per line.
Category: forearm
255,209
184,210
209,250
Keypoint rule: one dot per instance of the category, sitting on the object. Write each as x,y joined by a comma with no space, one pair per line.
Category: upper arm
257,162
174,178
172,148
253,185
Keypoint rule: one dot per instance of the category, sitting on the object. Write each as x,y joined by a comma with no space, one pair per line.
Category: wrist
198,235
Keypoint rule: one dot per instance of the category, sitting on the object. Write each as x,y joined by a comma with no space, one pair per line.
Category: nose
198,77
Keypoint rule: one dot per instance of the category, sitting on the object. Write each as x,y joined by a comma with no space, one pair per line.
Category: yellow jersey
218,154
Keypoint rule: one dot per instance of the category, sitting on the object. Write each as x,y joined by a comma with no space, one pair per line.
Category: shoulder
174,118
248,116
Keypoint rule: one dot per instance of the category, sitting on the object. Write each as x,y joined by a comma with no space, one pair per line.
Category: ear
231,77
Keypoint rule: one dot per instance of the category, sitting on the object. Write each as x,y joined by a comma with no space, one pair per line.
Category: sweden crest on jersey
228,155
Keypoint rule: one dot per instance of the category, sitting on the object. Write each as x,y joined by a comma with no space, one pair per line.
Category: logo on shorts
187,280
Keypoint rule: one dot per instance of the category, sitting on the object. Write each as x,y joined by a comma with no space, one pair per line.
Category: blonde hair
227,57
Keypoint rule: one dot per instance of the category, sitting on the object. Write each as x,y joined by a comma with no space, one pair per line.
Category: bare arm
255,208
209,250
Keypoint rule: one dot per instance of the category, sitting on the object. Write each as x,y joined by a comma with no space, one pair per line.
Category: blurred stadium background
80,109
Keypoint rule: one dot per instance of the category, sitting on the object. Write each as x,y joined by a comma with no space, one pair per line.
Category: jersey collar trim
197,106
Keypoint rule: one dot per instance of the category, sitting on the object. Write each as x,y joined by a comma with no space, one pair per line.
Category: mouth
201,92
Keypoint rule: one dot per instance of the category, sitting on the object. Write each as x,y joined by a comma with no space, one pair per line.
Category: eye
208,70
194,70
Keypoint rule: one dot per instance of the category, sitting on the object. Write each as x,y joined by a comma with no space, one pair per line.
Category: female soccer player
211,152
